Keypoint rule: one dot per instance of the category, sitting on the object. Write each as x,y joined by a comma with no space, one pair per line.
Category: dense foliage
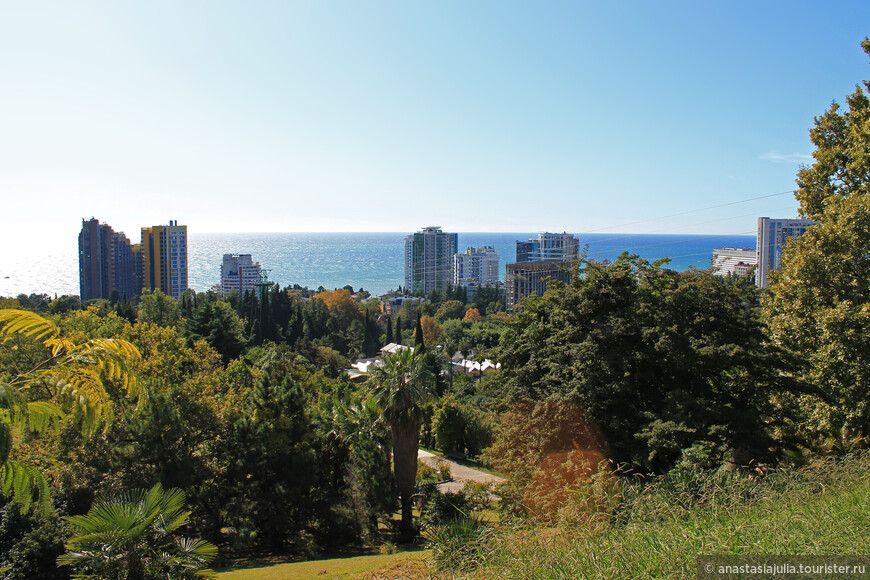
818,306
660,361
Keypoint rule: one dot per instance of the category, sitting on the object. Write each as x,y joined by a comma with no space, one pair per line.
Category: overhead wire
677,214
691,211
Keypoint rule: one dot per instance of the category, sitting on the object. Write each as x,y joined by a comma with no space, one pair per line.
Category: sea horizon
373,261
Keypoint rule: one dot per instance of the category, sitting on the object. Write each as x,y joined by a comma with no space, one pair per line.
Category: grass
334,568
657,530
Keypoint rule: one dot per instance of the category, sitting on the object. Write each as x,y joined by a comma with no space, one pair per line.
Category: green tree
158,308
659,360
389,330
419,342
450,310
401,387
818,305
132,536
71,380
30,543
272,464
217,323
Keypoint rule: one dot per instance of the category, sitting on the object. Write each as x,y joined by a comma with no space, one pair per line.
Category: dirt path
461,473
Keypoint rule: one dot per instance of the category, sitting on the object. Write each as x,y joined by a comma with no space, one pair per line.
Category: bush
30,543
445,507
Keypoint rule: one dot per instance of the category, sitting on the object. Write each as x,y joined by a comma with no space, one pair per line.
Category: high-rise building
773,235
478,266
164,258
735,261
429,260
239,272
106,262
526,278
549,246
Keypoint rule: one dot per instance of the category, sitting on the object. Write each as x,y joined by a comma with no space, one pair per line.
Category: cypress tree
398,337
419,343
389,330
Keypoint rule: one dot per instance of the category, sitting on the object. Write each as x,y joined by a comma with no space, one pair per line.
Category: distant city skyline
363,117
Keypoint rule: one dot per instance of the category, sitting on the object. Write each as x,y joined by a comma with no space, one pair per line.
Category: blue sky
389,116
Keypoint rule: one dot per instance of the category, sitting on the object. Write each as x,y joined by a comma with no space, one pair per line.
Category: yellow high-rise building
164,258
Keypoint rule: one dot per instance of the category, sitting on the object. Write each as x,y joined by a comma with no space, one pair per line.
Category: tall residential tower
773,235
164,259
239,272
429,260
106,262
549,246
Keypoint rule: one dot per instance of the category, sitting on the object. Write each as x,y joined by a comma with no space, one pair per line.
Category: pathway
460,473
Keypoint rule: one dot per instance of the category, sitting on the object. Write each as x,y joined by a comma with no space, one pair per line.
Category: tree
401,387
158,308
272,462
431,330
71,380
419,342
472,314
218,324
342,306
30,543
659,360
389,330
132,536
818,305
450,310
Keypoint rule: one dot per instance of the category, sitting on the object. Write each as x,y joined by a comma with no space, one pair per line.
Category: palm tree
70,380
400,388
130,537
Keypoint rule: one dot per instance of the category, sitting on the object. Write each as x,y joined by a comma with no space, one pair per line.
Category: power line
690,211
620,250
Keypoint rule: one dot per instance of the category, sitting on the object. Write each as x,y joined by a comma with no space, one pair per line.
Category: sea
368,261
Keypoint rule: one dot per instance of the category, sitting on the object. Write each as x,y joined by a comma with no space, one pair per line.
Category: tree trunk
405,440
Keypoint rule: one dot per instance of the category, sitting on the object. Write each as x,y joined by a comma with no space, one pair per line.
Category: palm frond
14,321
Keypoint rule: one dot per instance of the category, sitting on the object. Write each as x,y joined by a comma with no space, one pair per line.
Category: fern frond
27,323
20,480
15,403
43,415
59,345
82,389
114,357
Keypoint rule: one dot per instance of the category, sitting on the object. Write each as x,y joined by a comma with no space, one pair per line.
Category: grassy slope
821,510
343,568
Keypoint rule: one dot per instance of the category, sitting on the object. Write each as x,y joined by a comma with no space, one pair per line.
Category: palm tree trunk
405,441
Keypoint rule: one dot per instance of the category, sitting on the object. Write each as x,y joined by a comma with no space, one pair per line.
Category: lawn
343,568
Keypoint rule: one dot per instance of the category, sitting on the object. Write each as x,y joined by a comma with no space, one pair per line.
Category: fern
20,480
73,378
26,323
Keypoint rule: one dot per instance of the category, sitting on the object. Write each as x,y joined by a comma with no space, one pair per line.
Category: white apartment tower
239,272
476,266
735,261
773,235
549,246
429,260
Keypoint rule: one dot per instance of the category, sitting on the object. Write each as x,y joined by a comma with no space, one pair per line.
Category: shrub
29,543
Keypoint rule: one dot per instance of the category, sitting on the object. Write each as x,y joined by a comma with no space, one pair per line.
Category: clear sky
389,116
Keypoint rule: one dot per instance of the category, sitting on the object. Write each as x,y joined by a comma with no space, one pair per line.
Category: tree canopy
818,305
661,361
